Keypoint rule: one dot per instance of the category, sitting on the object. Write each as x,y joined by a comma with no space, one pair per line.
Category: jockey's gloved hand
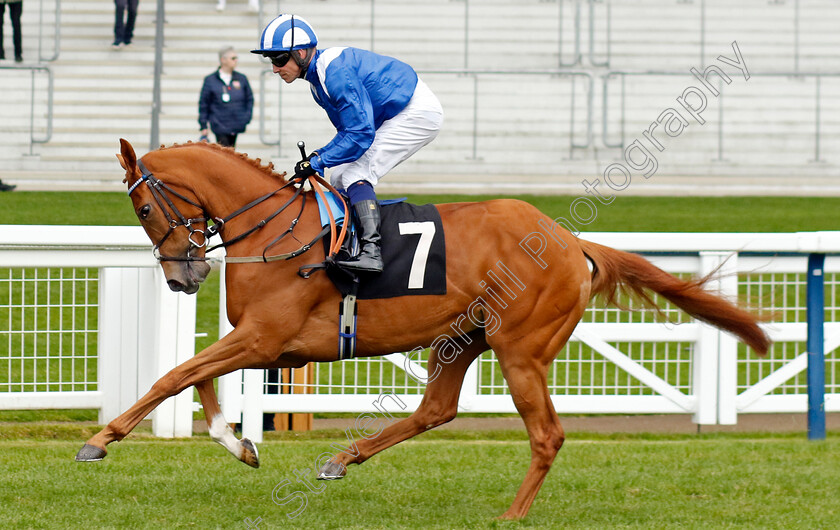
303,170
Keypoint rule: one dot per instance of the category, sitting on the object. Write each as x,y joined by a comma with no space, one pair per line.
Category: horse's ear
127,158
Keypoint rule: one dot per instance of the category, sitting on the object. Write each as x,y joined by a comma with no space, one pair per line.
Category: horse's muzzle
186,276
178,287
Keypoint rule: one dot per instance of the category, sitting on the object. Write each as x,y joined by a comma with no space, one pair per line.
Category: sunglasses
280,60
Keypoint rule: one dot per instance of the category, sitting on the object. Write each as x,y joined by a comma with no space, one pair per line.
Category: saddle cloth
413,252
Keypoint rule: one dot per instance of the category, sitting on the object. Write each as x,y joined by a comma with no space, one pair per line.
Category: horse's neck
231,186
226,191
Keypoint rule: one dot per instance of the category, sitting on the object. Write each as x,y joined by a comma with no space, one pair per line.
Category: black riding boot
370,258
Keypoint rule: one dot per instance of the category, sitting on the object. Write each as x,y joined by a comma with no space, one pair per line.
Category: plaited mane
267,169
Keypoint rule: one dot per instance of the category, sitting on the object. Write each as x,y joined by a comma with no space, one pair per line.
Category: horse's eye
144,212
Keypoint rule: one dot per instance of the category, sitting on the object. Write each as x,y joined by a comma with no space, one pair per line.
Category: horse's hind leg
525,365
220,431
439,405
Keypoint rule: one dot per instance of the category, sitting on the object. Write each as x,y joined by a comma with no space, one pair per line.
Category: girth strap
347,312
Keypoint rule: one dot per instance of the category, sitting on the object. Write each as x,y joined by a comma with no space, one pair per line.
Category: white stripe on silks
324,61
268,34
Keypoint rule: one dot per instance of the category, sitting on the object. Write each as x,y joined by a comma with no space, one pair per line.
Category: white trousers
395,141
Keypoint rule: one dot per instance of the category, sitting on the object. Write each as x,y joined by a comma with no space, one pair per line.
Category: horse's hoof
249,453
90,453
332,471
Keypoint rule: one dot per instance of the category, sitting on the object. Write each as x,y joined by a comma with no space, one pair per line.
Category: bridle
160,191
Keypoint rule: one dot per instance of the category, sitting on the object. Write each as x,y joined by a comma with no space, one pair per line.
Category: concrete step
768,123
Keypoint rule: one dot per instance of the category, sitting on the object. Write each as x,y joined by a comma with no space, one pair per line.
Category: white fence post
145,330
111,348
469,389
728,349
125,369
175,330
705,363
252,406
113,351
715,361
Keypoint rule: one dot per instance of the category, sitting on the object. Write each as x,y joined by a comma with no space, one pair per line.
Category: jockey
382,111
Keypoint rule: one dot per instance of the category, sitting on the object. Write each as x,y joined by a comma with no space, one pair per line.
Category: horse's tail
617,271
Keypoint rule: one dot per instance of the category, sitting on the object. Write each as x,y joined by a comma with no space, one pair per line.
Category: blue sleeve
352,116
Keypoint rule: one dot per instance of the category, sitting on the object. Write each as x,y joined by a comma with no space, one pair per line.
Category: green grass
624,214
666,482
62,415
70,208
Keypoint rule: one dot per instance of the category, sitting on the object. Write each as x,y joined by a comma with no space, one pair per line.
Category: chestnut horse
283,320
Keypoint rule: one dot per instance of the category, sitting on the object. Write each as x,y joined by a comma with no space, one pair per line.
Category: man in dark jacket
226,101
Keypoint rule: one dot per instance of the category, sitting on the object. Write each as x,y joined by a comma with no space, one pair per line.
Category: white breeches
396,140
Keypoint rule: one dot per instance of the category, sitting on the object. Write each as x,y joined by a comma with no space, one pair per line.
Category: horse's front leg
244,449
229,354
439,405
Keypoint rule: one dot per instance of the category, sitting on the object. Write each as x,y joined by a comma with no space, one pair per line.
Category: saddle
413,253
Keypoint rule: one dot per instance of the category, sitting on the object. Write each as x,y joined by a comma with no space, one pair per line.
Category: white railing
86,321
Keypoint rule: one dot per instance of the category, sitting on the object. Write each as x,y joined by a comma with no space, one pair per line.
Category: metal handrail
592,61
57,48
32,69
796,18
157,104
553,72
263,137
578,55
785,75
474,73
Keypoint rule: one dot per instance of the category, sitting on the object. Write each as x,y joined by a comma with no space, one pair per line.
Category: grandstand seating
525,131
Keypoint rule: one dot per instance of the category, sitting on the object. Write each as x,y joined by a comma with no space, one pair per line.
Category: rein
159,191
335,242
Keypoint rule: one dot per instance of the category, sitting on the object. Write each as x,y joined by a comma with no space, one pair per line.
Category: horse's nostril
175,285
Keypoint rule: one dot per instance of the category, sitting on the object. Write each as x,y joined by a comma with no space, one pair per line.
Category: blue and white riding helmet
285,34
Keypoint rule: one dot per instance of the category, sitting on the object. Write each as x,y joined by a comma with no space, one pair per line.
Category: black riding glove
303,170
